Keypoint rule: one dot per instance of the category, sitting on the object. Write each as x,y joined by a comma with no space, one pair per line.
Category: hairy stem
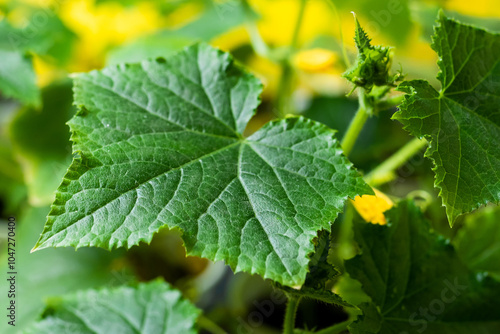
357,123
385,171
291,311
285,85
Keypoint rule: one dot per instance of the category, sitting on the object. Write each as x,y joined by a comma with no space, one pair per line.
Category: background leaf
17,78
478,241
416,281
13,190
40,139
53,272
146,308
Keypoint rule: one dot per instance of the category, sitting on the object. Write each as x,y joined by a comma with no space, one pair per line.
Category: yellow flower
372,207
100,27
315,60
320,71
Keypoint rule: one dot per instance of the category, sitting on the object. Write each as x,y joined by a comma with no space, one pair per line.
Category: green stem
259,46
357,123
285,85
291,311
347,249
210,326
337,328
284,88
389,103
298,23
385,171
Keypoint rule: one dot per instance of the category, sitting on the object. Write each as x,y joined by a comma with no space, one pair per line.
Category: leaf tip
35,248
441,15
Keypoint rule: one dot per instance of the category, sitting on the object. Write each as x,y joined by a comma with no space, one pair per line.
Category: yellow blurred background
103,27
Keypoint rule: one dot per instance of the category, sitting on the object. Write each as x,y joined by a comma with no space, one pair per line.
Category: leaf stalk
283,104
290,313
385,172
364,111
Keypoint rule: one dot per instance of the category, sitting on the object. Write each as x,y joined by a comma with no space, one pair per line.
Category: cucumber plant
160,144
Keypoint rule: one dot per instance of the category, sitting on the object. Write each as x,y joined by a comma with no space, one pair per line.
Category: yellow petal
372,207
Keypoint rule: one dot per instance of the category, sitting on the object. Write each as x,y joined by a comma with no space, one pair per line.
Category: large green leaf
462,120
158,144
146,308
53,272
416,280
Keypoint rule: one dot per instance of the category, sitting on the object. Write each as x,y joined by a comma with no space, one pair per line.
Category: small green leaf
146,308
417,282
372,65
320,272
159,145
462,119
362,40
